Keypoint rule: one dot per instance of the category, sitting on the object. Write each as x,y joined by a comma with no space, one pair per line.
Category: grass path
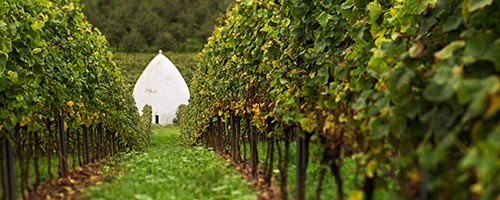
167,170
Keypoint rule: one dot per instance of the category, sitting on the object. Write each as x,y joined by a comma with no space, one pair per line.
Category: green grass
168,170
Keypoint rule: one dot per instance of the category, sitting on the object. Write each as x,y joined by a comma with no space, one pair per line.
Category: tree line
144,26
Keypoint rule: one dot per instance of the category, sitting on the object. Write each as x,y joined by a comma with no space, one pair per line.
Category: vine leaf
452,22
418,7
400,78
449,49
483,46
380,128
474,5
323,19
374,11
438,92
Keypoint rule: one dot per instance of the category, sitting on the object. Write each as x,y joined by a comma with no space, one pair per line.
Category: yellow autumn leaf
329,124
346,87
338,98
477,188
494,106
67,188
72,181
309,123
414,175
370,168
24,120
78,117
276,63
355,195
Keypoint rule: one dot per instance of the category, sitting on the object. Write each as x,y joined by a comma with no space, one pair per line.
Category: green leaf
323,19
438,92
431,155
428,156
3,62
477,106
467,89
37,25
452,22
377,64
379,127
470,158
309,123
449,49
418,7
374,11
400,78
475,93
347,5
12,76
483,46
474,5
494,137
142,197
4,114
356,32
5,46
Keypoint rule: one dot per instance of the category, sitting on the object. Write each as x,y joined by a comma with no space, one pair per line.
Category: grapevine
57,73
409,89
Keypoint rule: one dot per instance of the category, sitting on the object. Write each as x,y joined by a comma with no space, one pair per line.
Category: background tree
144,26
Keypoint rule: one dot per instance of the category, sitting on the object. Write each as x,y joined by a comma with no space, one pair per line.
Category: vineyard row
60,94
409,90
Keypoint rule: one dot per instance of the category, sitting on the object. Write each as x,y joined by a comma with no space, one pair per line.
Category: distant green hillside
147,25
132,64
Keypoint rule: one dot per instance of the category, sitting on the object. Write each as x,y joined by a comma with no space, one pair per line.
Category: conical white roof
161,85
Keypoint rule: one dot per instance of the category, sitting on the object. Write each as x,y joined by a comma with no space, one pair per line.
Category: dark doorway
157,119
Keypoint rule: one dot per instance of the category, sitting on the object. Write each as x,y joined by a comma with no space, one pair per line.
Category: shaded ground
266,192
69,188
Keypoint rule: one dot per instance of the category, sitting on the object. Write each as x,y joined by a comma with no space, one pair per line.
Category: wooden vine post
254,155
86,145
63,154
301,162
100,146
233,138
8,171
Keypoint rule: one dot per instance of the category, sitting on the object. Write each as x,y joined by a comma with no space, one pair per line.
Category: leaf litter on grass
78,179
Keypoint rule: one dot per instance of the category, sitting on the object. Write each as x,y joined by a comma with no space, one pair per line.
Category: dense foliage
141,26
133,64
53,62
409,89
60,91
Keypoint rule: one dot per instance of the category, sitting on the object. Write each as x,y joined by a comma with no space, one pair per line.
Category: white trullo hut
162,87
